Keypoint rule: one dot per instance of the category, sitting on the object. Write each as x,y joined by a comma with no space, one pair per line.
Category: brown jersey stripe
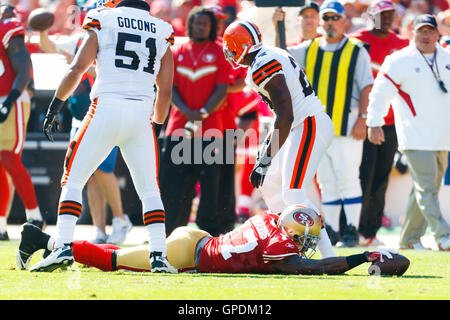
263,68
266,74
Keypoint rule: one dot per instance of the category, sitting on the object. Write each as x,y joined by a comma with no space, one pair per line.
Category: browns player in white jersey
302,131
266,243
132,52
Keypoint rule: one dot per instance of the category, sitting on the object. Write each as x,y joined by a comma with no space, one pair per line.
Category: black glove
7,105
260,170
51,118
157,127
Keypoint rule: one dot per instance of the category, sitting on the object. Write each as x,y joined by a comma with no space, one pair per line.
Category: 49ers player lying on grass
266,243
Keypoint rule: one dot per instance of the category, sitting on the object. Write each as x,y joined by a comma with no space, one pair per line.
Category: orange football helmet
302,225
239,39
108,3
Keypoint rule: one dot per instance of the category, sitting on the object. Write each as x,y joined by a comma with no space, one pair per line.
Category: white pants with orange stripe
111,122
294,166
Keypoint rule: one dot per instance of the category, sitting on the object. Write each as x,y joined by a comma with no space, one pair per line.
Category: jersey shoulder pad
264,67
9,28
93,19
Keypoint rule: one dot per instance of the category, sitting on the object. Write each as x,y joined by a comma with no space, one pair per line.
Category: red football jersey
198,68
9,28
379,49
248,249
229,107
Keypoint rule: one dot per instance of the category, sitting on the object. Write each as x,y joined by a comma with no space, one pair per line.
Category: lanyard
436,74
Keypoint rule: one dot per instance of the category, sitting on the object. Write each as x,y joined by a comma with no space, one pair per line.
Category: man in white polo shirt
416,80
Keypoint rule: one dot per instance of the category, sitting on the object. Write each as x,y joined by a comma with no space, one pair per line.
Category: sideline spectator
343,89
376,163
201,80
416,81
308,21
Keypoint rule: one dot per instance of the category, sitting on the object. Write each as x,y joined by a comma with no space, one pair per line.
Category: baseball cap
218,12
380,6
332,6
309,5
425,20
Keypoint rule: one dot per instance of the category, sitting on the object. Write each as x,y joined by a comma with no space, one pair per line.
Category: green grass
427,278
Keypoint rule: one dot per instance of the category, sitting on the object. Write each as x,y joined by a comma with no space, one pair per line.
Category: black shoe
4,236
32,240
159,264
350,238
334,236
37,223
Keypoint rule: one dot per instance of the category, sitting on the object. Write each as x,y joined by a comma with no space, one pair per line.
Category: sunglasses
334,18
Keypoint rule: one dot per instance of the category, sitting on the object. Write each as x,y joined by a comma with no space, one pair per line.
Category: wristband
157,128
363,115
55,106
356,259
13,95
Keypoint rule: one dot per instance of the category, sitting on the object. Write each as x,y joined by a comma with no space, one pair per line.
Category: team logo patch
417,69
447,67
209,58
303,219
290,245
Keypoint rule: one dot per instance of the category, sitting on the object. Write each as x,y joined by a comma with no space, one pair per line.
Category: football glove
378,255
7,105
51,119
260,170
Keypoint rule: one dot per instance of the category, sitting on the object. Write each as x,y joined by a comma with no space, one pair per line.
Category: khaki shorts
13,130
180,251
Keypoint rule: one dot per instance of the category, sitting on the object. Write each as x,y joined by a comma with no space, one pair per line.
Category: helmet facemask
302,225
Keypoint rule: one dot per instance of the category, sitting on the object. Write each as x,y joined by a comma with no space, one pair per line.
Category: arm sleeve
298,52
363,70
381,95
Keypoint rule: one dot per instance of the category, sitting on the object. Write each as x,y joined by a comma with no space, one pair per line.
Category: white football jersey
131,44
271,61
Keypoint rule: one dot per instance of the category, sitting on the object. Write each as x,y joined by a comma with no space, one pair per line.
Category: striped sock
154,222
68,214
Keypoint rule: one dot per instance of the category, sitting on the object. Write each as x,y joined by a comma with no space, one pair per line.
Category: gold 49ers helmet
302,225
239,39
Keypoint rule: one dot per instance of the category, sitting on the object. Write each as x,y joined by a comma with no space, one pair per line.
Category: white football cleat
59,258
159,264
120,229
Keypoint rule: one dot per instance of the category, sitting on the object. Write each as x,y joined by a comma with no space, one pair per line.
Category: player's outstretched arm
164,82
82,61
332,265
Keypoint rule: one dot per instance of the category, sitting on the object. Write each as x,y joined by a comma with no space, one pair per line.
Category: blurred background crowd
248,111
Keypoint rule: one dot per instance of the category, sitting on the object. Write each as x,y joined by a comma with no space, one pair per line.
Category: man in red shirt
201,80
267,243
377,160
15,76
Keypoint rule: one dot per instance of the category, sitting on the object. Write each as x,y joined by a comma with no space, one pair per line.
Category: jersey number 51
150,44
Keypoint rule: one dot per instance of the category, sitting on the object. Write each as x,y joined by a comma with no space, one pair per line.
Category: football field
428,278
